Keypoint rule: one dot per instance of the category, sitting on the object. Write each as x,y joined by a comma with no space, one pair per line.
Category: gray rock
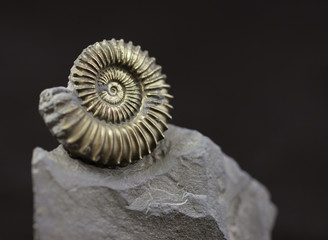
186,189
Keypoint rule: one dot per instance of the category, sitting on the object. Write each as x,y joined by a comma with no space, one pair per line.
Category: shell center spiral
115,93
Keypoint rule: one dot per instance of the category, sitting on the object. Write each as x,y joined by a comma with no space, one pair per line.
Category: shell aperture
115,108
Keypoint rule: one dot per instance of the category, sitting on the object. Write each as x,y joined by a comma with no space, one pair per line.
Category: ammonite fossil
115,108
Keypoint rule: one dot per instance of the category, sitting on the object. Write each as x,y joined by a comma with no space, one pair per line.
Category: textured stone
186,189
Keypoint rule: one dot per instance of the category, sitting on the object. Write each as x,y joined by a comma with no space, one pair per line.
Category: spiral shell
115,108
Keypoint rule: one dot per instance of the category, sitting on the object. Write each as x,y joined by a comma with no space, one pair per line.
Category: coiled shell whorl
115,108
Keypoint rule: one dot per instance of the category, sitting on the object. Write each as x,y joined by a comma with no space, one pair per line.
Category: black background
250,75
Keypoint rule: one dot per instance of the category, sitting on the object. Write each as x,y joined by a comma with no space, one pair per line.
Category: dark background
250,75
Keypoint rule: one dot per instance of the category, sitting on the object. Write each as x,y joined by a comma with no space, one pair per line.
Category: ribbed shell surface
116,107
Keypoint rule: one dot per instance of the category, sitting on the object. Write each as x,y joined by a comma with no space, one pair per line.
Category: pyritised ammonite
116,105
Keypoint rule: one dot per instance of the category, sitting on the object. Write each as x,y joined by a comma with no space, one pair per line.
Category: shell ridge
79,131
88,137
100,54
97,146
135,135
155,126
93,56
119,144
109,144
149,130
129,145
143,136
140,60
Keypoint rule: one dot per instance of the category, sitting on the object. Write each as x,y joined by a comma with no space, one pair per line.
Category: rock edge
186,189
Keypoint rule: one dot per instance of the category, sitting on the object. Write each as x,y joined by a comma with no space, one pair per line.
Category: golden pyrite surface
115,108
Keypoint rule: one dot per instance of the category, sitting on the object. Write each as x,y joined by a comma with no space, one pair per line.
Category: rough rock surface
186,189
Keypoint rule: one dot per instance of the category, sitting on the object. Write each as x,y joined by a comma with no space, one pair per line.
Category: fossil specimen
115,108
